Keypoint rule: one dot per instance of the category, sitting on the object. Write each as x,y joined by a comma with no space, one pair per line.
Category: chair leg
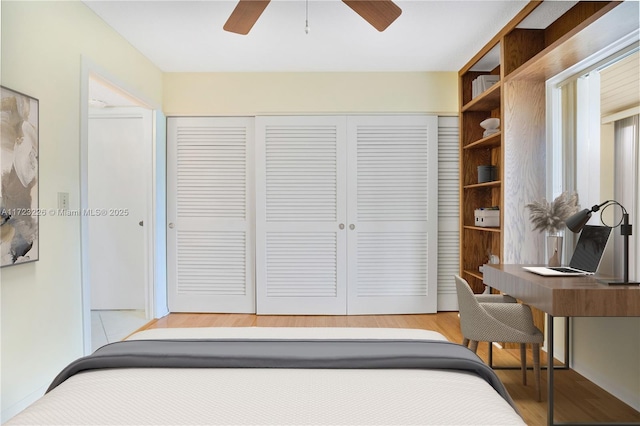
465,342
490,354
536,368
473,345
523,362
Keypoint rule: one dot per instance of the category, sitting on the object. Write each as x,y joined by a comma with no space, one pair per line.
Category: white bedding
273,396
287,333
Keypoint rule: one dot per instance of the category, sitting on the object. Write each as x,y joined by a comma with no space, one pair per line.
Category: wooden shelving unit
489,142
486,101
477,243
492,184
527,58
483,229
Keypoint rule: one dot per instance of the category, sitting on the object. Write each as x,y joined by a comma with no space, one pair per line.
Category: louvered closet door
210,214
300,204
448,212
392,214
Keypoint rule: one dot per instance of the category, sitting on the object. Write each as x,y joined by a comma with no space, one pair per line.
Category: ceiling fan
379,13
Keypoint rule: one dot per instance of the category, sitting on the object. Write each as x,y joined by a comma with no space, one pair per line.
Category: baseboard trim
16,408
447,302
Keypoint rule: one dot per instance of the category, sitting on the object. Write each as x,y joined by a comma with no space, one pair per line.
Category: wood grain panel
496,160
524,169
571,19
478,244
466,85
565,296
603,28
491,141
488,100
496,39
471,130
475,198
519,46
470,162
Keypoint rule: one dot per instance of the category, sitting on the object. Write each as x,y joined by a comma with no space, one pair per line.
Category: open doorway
117,212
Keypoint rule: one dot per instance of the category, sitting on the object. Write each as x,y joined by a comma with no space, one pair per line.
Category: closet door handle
171,225
341,226
352,227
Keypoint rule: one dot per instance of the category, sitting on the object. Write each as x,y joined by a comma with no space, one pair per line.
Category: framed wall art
19,210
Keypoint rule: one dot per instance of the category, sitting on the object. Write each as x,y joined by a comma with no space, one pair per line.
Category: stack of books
482,83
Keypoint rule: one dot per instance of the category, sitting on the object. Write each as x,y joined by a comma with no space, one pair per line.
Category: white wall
607,156
607,352
41,308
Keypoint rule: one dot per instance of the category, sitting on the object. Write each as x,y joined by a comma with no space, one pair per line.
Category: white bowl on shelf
490,123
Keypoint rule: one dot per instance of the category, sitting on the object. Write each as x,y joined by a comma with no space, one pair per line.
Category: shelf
480,228
492,184
488,142
605,27
477,274
487,101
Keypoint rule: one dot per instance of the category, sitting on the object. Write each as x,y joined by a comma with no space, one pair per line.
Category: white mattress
272,396
287,333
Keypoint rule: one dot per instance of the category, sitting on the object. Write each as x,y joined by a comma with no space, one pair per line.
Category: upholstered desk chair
499,322
490,298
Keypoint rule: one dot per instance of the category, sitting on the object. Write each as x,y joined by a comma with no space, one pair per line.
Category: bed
261,375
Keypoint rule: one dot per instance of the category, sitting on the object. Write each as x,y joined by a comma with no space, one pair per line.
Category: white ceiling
187,36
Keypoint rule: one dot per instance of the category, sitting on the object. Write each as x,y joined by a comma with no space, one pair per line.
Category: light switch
63,200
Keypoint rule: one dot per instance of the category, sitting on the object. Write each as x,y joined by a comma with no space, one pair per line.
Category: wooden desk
563,297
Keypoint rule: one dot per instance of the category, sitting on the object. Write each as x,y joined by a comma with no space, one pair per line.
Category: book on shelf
483,83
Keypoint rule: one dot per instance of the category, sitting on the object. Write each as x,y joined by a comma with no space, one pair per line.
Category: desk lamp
576,222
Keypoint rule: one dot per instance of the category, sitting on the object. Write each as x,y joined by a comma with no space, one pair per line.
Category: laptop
586,257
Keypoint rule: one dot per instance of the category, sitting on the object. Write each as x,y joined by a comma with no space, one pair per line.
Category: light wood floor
577,399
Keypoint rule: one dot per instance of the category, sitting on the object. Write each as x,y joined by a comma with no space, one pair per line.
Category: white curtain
627,160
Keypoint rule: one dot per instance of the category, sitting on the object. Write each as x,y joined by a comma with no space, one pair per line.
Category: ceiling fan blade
245,15
379,13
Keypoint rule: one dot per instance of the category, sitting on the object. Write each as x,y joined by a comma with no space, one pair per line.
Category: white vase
554,249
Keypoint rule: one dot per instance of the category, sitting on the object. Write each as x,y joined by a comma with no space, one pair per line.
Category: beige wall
41,309
274,93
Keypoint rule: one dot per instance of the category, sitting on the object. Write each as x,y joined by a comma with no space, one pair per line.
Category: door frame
90,69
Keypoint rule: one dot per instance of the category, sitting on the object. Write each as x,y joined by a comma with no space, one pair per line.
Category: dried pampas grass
550,217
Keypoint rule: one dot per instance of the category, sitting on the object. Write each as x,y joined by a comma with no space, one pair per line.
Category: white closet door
448,212
392,214
210,247
300,205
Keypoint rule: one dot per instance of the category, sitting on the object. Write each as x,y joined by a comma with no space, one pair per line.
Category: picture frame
19,178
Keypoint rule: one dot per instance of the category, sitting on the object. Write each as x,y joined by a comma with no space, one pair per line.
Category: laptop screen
590,247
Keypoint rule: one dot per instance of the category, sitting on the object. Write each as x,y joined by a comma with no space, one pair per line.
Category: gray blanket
283,353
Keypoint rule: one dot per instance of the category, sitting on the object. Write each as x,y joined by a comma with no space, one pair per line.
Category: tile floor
111,326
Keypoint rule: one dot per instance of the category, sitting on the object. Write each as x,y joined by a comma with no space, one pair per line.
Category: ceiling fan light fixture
245,15
306,21
379,13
